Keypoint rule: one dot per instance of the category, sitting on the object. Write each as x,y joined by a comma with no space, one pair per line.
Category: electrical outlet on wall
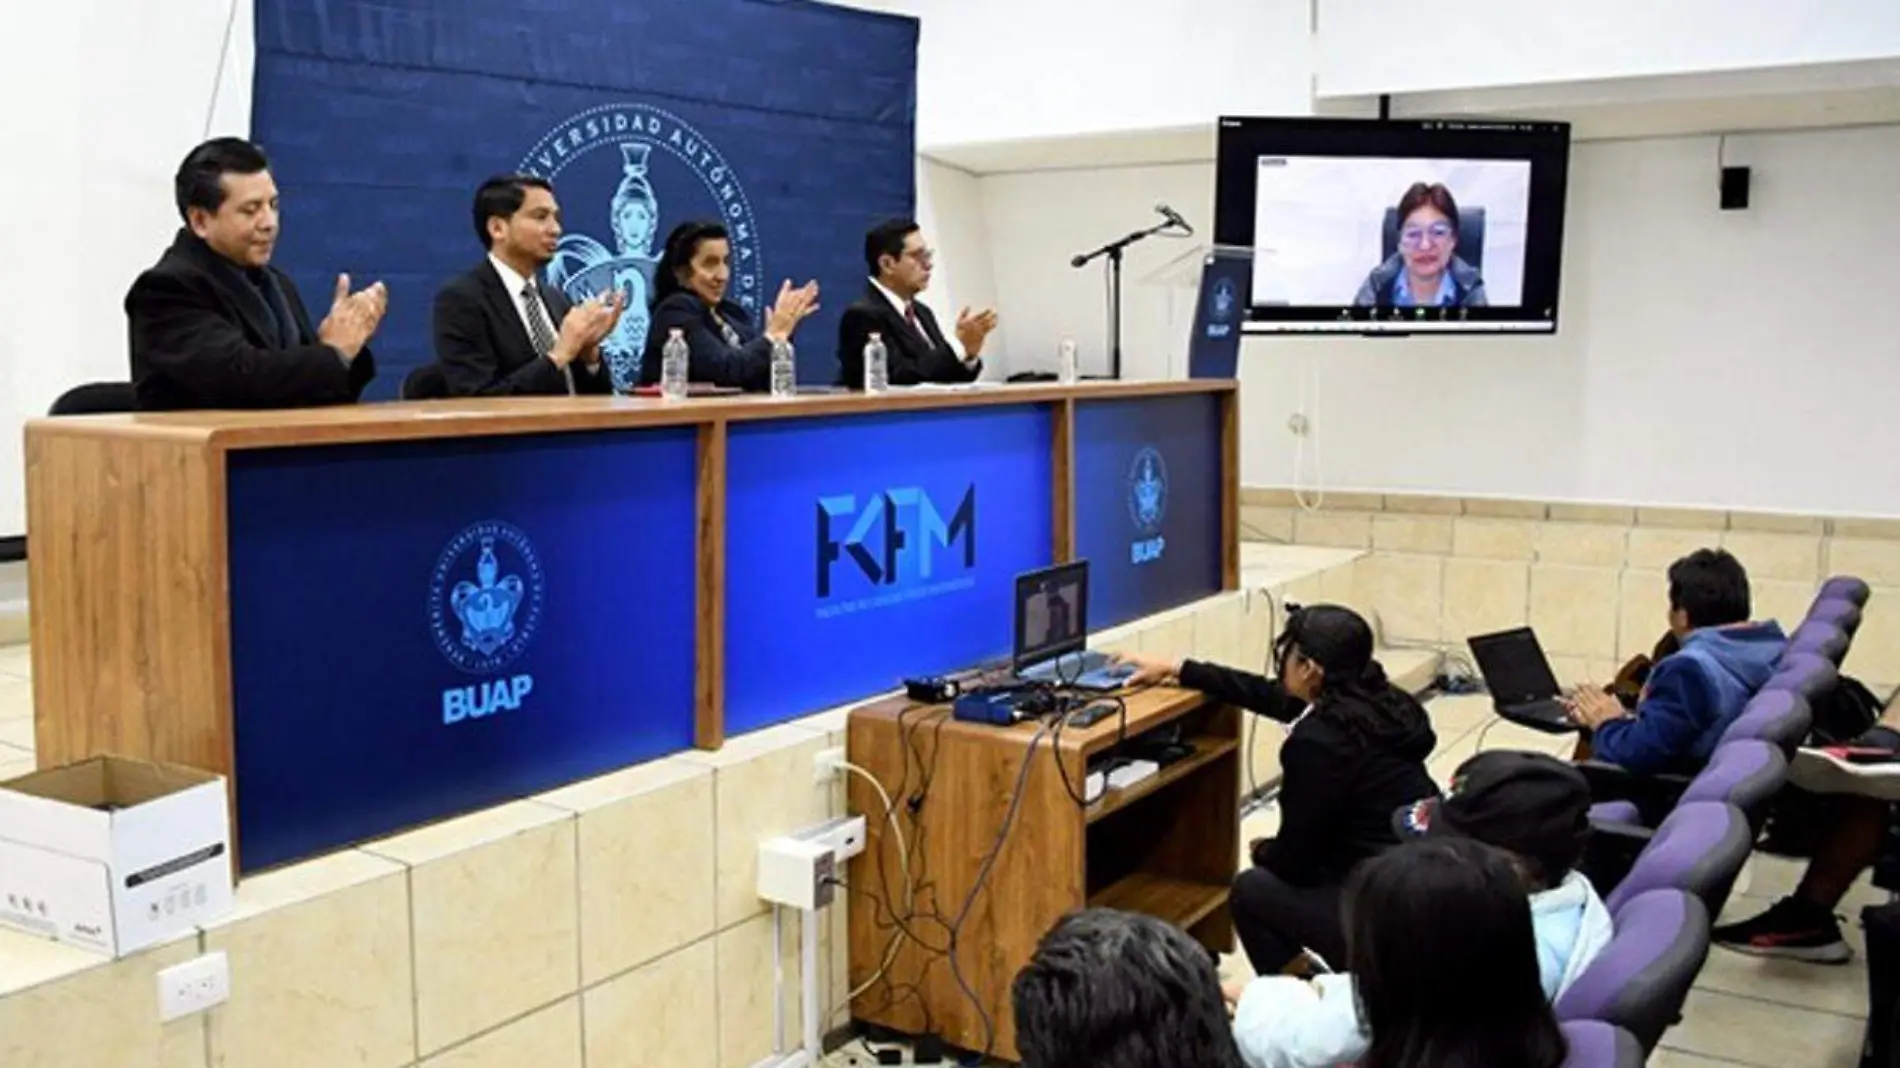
828,764
194,986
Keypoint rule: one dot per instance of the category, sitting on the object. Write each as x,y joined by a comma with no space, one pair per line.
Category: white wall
950,211
1366,47
1704,357
105,98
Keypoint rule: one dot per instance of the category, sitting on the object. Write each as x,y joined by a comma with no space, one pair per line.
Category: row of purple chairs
1683,871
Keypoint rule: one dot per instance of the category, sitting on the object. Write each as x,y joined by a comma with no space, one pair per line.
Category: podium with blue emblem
372,617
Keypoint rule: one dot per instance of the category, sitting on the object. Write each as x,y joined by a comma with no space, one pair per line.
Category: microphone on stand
1078,260
1174,218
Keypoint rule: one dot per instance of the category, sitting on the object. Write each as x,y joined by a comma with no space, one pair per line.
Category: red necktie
910,316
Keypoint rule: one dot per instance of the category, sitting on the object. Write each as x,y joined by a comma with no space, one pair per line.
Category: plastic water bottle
1066,360
784,370
877,365
673,359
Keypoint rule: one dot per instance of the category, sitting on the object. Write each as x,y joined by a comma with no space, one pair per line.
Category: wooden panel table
374,616
999,847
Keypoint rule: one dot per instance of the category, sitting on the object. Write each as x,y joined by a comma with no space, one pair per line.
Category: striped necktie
540,331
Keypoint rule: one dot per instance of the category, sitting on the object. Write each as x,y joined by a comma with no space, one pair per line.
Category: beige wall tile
17,733
503,908
1482,596
1875,655
1338,501
1268,497
1219,629
1574,610
1643,613
1266,524
324,979
1785,602
1346,530
1877,562
1495,539
1683,518
103,1017
1421,505
764,787
1505,508
1258,625
1789,557
664,1014
1888,529
28,961
1582,544
1773,523
1268,738
648,862
550,1038
16,698
1655,548
1411,533
1570,670
1340,585
745,988
1405,593
1172,637
1618,515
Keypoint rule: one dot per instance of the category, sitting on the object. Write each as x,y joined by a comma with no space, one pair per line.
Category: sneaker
1791,929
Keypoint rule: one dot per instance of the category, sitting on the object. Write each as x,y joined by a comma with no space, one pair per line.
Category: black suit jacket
747,365
484,348
912,359
202,336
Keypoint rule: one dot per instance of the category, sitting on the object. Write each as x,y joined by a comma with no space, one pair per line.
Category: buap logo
1148,503
485,599
894,541
650,170
1222,302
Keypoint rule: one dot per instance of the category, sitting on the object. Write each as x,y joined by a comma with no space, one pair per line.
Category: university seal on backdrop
485,597
625,175
1221,302
1148,490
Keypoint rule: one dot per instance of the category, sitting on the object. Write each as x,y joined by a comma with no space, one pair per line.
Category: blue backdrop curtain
792,122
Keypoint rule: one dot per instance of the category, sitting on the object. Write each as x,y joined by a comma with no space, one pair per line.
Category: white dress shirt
513,282
904,312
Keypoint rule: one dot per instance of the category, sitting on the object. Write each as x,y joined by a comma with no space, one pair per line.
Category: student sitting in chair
1692,695
1533,807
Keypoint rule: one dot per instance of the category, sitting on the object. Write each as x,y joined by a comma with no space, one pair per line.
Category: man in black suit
213,325
498,330
899,264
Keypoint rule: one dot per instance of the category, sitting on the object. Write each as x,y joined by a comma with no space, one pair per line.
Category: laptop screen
1513,665
1051,613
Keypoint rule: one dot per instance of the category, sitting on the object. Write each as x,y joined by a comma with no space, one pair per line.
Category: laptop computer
1052,632
1523,688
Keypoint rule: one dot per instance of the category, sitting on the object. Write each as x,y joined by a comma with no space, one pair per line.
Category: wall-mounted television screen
1395,226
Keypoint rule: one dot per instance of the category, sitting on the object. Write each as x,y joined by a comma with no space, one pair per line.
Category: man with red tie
899,264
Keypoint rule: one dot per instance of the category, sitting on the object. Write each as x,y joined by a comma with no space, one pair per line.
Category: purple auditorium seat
1818,638
1807,674
1847,588
1642,977
1842,613
1700,848
1623,812
1746,773
1595,1044
1778,717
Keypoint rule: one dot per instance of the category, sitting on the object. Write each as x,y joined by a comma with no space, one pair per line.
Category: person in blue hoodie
1533,807
1693,694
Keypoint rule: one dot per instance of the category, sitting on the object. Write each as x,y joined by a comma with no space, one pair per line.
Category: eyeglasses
922,255
1414,236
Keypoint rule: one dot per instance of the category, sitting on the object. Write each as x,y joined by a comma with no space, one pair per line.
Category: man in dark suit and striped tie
496,331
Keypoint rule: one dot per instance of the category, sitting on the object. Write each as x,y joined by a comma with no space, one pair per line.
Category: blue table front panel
862,550
1148,503
422,629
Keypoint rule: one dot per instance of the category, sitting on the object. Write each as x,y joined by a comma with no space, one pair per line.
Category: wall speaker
1734,188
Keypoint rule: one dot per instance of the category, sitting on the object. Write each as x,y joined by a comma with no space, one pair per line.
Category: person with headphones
1356,752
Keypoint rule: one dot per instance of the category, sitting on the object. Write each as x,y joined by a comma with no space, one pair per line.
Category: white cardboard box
114,855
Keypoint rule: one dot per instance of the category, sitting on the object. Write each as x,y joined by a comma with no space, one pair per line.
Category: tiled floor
1749,1012
1744,1011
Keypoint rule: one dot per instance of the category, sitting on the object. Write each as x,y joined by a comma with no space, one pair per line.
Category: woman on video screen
1425,271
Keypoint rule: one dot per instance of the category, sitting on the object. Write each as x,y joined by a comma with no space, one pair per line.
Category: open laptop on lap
1052,632
1523,688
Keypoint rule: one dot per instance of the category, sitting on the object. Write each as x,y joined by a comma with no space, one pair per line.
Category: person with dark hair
1109,989
1357,751
1425,271
499,330
1533,807
1444,961
899,264
1692,695
213,325
689,295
